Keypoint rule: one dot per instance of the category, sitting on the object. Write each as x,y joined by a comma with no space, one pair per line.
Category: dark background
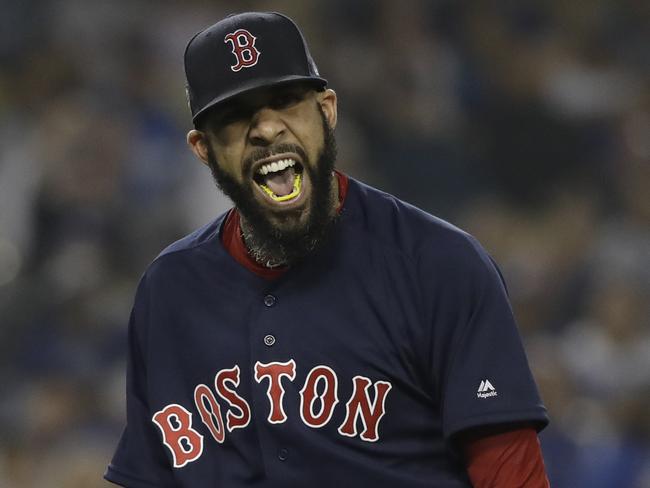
525,123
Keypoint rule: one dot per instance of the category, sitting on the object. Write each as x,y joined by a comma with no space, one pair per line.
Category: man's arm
504,456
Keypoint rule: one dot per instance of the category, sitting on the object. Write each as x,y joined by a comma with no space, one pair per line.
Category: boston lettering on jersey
318,398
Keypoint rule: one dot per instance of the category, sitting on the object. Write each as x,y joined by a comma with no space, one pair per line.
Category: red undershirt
509,458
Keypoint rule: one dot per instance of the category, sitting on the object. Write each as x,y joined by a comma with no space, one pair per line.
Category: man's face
272,152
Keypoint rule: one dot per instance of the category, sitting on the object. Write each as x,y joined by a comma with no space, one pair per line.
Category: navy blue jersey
356,367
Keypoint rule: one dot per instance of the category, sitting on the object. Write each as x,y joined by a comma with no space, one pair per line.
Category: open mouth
280,180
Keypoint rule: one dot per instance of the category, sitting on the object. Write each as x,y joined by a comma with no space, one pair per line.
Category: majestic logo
243,47
486,390
318,399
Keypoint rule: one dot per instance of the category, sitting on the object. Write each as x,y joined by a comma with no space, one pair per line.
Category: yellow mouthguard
297,183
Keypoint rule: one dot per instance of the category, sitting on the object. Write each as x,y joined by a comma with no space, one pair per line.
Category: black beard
272,245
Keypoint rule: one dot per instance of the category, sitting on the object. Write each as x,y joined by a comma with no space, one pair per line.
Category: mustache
266,152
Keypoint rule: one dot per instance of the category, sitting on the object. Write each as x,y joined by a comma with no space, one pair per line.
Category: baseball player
320,333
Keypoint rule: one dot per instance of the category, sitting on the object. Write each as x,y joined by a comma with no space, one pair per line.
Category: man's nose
267,127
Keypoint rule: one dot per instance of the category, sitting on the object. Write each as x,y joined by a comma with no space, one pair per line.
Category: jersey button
283,454
269,340
269,300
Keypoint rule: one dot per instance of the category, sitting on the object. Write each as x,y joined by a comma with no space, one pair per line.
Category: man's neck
233,242
259,255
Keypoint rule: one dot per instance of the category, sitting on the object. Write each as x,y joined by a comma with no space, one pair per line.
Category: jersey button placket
283,454
269,301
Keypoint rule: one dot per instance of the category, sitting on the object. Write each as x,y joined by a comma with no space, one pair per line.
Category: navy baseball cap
243,52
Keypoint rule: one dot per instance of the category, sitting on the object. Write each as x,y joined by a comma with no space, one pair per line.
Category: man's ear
327,101
198,142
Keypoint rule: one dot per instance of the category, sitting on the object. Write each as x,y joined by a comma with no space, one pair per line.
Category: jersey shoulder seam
416,214
180,246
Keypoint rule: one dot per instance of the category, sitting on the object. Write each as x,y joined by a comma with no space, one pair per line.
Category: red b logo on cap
243,47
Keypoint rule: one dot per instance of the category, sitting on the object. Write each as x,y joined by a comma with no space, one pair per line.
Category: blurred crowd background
525,123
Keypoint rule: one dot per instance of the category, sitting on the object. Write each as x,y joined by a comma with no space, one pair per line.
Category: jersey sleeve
139,460
479,365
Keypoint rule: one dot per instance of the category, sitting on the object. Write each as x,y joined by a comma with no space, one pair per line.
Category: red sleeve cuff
511,459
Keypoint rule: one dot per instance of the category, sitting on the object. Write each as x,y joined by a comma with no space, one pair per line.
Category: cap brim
259,83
